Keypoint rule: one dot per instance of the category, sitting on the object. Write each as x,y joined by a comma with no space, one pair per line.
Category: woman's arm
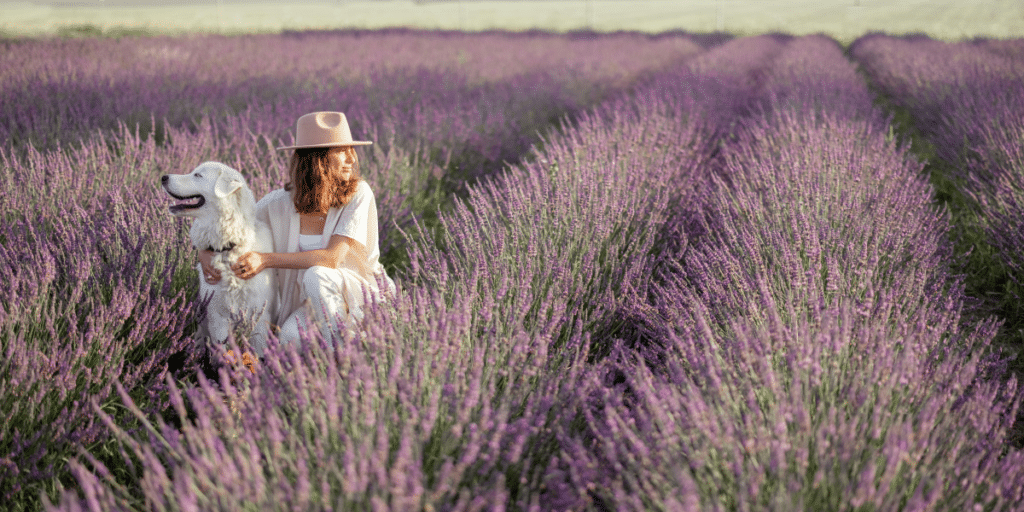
337,250
210,273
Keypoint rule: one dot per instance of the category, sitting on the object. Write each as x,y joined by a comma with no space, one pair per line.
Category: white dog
224,209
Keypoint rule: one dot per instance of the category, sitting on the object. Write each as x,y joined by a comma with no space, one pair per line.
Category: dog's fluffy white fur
224,212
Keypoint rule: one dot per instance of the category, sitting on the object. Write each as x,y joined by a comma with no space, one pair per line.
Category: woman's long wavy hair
318,186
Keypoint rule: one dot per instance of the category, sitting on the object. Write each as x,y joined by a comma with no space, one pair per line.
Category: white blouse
311,242
357,220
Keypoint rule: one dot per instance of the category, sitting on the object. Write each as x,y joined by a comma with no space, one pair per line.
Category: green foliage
80,30
85,30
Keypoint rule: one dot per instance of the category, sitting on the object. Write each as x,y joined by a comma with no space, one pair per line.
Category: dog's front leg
218,318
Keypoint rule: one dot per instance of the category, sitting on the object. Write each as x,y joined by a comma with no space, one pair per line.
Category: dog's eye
197,175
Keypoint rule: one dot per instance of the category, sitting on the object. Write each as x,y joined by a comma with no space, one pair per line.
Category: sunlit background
842,19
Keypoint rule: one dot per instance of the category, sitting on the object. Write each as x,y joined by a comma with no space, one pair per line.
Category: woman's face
343,160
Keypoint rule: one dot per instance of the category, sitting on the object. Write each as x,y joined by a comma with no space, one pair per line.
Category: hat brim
328,145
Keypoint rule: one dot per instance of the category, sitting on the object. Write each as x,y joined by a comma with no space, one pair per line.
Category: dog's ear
227,184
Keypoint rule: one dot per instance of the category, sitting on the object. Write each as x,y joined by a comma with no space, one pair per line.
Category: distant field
843,19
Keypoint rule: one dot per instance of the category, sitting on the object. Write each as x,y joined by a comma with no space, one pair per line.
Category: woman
324,226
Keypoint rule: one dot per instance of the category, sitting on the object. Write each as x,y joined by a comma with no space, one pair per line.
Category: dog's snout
164,178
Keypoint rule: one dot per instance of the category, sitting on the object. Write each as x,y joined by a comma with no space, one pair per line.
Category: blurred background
842,19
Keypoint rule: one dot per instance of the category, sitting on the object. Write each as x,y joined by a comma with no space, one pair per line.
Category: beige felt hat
323,130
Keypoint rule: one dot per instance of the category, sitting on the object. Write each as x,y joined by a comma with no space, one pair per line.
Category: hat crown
323,129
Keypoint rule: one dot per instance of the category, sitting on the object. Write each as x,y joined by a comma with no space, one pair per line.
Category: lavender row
82,292
967,98
612,179
452,397
813,351
100,289
812,185
464,96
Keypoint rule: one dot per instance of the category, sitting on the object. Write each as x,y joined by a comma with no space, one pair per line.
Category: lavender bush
82,291
578,221
998,180
787,184
948,87
814,353
967,99
1012,48
833,412
425,410
582,218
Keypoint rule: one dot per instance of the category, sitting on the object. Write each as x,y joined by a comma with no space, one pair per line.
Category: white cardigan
278,210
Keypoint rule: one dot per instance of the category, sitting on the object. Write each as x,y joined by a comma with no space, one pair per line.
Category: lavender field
635,272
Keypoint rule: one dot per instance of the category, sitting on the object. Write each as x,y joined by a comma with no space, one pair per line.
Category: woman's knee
289,333
314,278
293,328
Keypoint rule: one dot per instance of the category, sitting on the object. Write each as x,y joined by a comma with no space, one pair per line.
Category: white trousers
334,302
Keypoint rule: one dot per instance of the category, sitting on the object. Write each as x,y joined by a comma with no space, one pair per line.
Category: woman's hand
248,265
210,275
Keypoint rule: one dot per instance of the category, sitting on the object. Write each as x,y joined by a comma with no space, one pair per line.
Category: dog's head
210,185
